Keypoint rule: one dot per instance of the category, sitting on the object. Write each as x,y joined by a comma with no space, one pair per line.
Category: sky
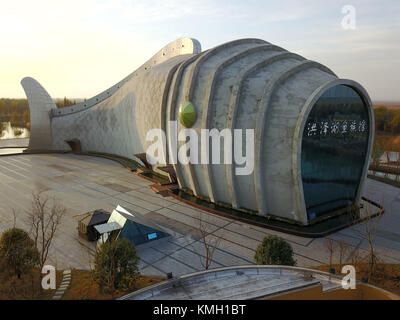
78,48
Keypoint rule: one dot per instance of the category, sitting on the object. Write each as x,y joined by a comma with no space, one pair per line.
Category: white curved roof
237,283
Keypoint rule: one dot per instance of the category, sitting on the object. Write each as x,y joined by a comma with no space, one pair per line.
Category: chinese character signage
335,127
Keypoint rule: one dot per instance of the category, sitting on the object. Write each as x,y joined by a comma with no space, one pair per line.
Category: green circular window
187,114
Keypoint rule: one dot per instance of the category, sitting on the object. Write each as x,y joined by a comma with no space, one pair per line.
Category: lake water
9,142
9,132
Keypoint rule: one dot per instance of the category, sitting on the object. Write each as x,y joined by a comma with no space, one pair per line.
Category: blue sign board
151,236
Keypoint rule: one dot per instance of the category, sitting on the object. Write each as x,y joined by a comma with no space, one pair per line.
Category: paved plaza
84,183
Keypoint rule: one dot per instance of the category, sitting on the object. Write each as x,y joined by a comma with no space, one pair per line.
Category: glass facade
334,148
138,233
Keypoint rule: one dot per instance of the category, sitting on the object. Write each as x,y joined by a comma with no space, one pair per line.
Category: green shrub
274,250
115,265
18,252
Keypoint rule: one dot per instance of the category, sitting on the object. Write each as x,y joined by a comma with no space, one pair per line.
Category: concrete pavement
84,183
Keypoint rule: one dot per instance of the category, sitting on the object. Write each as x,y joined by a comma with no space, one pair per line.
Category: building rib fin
40,106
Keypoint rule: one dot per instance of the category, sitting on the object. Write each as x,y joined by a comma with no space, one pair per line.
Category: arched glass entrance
334,149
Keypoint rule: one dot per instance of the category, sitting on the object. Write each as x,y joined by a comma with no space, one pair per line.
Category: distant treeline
387,120
65,103
16,111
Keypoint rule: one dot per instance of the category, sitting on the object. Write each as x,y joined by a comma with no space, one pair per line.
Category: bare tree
44,219
377,152
368,231
14,218
330,246
343,249
356,258
210,242
387,145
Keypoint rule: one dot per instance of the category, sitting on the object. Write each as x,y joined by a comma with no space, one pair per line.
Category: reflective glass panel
334,147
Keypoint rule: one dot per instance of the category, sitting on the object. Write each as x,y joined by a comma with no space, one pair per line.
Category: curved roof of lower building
237,283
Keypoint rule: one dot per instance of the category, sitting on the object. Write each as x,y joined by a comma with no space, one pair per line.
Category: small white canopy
120,209
107,227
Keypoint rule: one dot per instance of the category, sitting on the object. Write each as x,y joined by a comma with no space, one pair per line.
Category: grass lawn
83,287
26,288
387,276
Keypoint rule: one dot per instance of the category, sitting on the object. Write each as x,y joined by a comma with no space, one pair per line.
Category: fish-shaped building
306,133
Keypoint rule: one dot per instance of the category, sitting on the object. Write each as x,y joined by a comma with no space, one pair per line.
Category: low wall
9,143
362,292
